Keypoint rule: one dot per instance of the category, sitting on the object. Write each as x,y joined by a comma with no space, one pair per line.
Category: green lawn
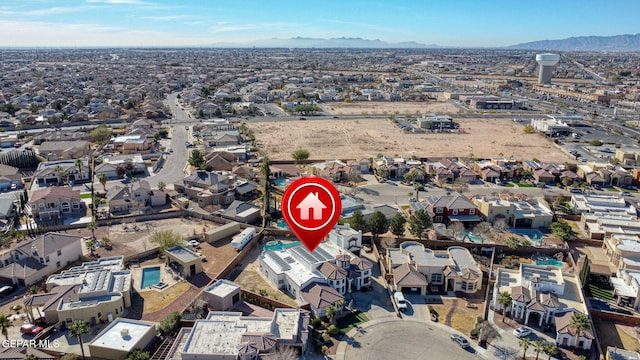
597,292
525,185
509,185
352,320
85,196
613,189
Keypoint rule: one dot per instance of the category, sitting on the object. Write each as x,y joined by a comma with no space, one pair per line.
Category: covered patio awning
620,288
465,218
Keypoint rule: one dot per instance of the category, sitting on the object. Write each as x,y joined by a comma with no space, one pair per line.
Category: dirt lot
364,138
126,240
389,107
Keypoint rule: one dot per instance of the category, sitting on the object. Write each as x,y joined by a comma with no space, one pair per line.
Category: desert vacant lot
364,138
389,107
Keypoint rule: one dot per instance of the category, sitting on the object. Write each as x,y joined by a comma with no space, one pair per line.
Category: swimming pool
533,234
543,261
279,182
282,224
474,238
150,276
278,245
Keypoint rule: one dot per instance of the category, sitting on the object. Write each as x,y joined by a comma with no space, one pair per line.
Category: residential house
543,176
242,211
454,207
143,124
566,336
55,202
112,166
33,260
215,187
626,285
454,269
134,143
137,197
614,353
351,204
61,172
516,213
337,171
60,136
539,293
221,161
94,292
10,177
346,238
296,271
230,335
64,150
389,168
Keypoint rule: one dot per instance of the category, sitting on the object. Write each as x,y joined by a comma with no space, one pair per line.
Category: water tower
546,62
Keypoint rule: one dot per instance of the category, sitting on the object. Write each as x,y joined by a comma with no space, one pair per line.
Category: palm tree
538,347
92,226
78,163
102,177
5,324
524,343
579,323
504,299
78,329
550,349
331,312
59,172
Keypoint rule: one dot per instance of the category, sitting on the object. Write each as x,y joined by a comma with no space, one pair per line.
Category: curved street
402,339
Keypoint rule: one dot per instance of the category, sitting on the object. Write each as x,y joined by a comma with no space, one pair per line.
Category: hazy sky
81,23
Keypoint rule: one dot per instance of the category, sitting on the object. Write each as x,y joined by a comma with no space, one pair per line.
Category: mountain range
628,42
341,42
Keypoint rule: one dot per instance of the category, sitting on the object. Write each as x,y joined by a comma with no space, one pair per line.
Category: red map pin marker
311,207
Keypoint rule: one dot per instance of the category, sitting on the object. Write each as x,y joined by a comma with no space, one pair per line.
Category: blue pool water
277,245
282,224
533,234
548,261
279,182
150,276
474,238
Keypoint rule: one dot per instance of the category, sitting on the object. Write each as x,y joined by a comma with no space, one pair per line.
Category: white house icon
311,202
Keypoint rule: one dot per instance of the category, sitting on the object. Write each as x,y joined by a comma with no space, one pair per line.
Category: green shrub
315,322
595,143
474,333
332,329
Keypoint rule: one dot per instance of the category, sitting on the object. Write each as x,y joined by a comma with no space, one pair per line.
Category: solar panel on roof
322,252
283,264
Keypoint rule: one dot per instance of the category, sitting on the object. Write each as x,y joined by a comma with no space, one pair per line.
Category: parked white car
522,331
401,302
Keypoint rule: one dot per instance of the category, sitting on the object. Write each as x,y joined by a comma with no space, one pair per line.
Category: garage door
410,290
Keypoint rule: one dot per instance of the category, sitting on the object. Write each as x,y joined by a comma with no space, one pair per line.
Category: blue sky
80,23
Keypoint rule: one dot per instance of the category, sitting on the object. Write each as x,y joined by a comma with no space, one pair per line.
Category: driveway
402,339
507,346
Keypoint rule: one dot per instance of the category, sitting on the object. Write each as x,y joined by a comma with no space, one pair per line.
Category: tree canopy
101,134
196,159
378,224
419,223
562,231
357,221
166,239
300,154
398,225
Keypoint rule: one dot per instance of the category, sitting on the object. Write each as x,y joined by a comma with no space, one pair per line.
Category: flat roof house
230,335
121,337
185,261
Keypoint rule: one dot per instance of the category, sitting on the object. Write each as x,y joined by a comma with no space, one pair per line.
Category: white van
398,296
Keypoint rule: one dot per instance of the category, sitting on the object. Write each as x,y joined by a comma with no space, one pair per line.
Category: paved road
173,168
403,339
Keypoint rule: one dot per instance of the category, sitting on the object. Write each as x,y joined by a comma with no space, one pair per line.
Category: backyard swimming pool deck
167,276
